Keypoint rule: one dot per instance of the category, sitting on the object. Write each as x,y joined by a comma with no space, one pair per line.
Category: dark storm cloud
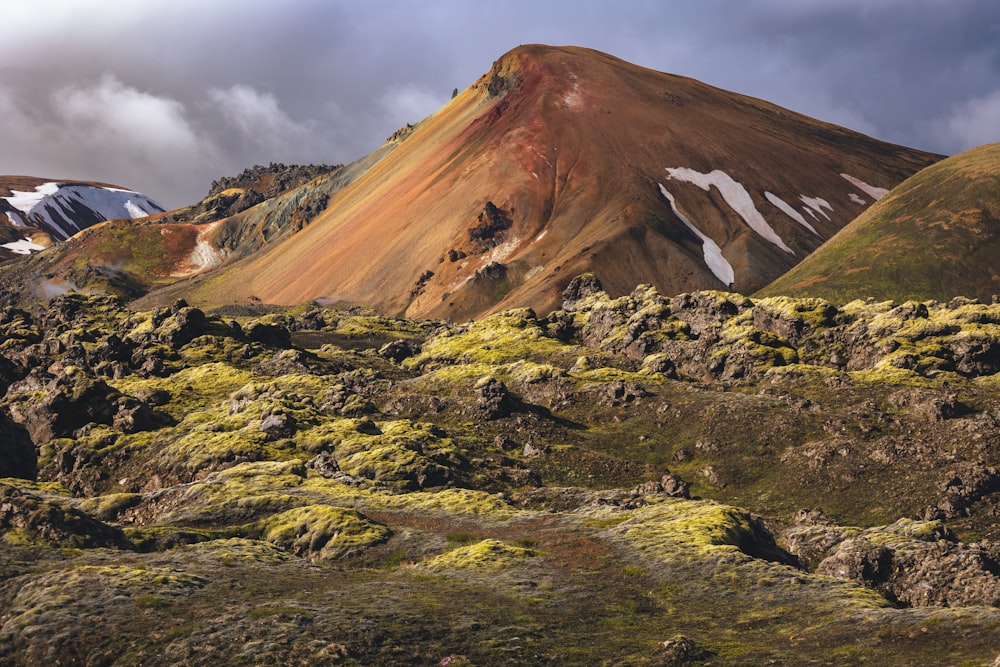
166,96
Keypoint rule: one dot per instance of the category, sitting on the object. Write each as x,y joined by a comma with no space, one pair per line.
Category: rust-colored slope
555,162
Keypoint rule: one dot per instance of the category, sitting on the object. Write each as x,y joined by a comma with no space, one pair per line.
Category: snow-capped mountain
41,210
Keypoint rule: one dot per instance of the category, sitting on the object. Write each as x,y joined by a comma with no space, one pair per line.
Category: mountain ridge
525,139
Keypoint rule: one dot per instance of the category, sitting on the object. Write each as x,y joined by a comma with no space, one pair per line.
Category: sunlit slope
564,160
935,236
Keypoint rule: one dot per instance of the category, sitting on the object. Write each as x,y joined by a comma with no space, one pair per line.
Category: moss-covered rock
322,532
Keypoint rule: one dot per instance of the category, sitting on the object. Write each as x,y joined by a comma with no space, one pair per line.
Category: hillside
644,480
128,258
564,160
36,211
935,236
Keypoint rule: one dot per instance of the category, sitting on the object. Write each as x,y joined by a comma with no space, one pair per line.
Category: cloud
409,103
208,89
258,118
973,123
138,124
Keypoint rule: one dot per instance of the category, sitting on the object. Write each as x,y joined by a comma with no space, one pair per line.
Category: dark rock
494,400
619,392
533,448
668,485
962,486
919,565
278,425
397,351
70,401
184,325
18,456
324,464
505,443
133,416
285,362
272,335
678,651
580,288
55,522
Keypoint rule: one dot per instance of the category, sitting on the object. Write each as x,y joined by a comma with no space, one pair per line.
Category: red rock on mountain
565,160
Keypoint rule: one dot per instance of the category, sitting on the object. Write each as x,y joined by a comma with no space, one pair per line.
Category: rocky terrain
703,478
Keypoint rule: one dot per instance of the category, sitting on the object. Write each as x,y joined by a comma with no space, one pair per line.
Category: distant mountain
565,160
935,236
36,211
130,257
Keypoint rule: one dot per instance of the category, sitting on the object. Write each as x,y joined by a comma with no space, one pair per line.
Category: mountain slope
935,236
564,160
43,209
129,257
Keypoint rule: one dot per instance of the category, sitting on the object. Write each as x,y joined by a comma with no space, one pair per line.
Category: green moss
322,532
484,555
664,528
190,389
109,506
498,339
54,488
459,503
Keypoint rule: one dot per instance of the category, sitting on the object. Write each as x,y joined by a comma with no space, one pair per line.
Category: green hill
935,236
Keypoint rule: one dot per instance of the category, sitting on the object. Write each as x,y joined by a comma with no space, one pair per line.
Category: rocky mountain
131,257
563,160
36,211
935,236
336,487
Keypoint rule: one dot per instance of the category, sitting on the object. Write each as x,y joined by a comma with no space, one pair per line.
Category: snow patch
502,251
788,210
857,200
134,210
542,235
816,204
875,193
736,196
25,201
15,219
56,205
714,259
23,246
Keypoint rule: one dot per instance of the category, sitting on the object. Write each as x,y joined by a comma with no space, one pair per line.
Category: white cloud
973,123
408,104
259,118
111,115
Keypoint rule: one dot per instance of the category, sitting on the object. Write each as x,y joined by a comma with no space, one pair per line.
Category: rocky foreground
703,479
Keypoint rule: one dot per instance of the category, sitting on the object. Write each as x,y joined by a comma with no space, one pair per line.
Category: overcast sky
165,96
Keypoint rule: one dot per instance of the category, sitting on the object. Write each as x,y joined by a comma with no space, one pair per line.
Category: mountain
38,211
935,236
131,257
565,160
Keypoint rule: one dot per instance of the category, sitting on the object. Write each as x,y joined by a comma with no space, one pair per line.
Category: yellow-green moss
55,488
502,338
322,532
485,555
107,507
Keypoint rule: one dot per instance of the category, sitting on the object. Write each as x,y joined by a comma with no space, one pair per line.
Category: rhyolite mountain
556,162
935,236
36,211
564,160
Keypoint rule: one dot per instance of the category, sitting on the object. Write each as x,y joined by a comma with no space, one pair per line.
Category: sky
166,96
